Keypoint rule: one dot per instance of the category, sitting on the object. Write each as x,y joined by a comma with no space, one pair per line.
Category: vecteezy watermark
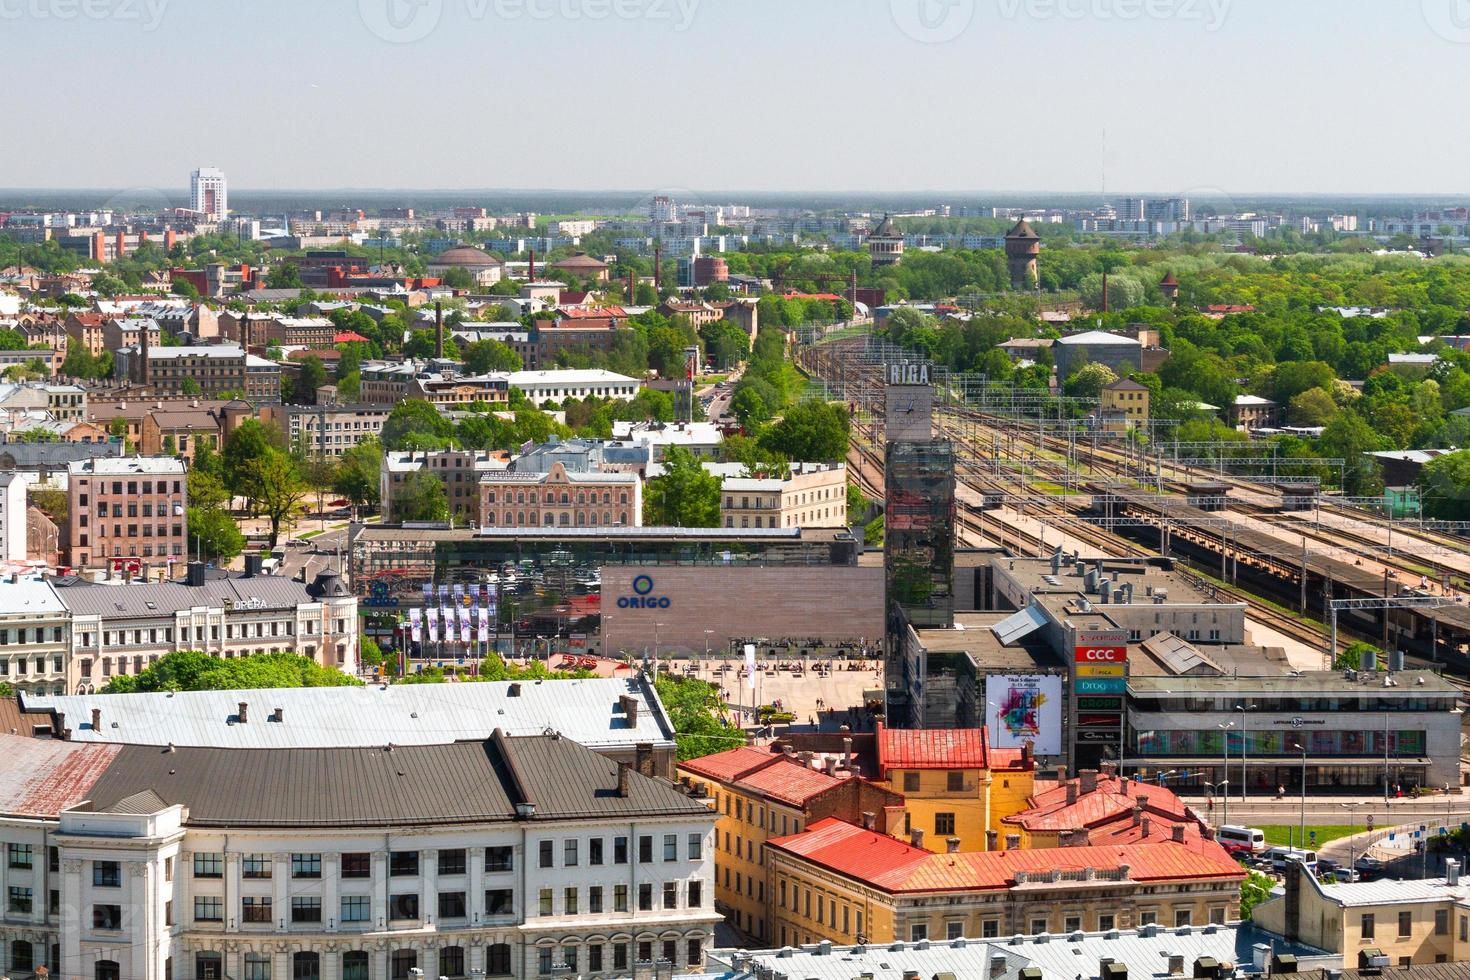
1450,19
146,13
1210,13
406,21
932,21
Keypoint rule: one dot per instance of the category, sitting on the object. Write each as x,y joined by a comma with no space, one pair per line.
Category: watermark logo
406,21
1450,19
400,21
932,21
1209,13
148,14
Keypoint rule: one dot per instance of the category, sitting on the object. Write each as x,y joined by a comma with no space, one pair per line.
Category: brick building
126,508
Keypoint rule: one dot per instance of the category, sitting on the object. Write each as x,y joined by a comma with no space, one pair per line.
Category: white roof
1019,624
1252,400
586,711
668,433
1386,892
1097,337
127,466
586,376
215,350
28,596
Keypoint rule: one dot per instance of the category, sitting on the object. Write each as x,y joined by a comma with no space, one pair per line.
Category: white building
35,635
208,193
516,856
545,386
120,629
12,517
700,438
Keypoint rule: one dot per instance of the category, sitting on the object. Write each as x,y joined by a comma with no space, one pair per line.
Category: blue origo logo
643,585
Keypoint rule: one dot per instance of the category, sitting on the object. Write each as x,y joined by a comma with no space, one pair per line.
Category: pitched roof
774,775
579,261
894,866
41,777
1021,229
1112,800
932,748
1125,384
1097,337
384,786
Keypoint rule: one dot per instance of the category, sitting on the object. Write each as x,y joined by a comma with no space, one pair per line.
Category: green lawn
1325,832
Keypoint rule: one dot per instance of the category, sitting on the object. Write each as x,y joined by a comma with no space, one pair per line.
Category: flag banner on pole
458,593
443,595
448,615
432,615
484,620
428,593
416,630
464,625
750,666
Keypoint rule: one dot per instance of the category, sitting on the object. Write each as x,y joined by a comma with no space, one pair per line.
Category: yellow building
1125,403
850,884
760,794
953,784
1377,923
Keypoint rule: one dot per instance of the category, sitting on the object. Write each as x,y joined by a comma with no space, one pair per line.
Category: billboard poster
415,617
431,614
1025,707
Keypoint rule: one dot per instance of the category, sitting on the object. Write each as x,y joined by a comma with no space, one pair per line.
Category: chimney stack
992,840
643,758
242,712
870,820
1178,832
96,720
623,769
1089,781
1013,842
916,837
438,329
1147,826
1071,793
1452,872
952,845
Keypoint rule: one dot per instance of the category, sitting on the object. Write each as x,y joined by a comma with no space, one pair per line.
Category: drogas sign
643,597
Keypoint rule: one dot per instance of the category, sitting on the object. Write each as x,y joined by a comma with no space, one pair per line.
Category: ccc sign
1101,655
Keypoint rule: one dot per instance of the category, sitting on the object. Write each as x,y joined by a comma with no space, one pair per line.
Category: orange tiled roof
932,748
894,866
1114,799
770,774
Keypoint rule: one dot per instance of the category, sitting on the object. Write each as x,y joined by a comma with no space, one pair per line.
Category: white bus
1241,840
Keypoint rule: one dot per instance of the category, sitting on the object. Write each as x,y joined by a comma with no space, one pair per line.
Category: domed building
885,244
487,269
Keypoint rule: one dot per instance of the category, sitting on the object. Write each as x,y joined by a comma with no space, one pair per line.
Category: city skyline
1053,94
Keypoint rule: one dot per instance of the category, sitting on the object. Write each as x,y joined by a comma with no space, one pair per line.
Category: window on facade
594,851
569,901
254,909
910,782
306,908
18,900
620,850
18,855
106,874
569,852
499,901
544,902
1182,917
403,906
546,854
620,956
645,951
452,862
955,780
451,961
671,895
1038,926
306,966
209,865
356,908
594,899
210,966
402,864
208,908
402,961
107,917
620,898
645,848
645,897
498,859
1406,924
109,970
671,847
696,894
696,847
451,905
1105,922
944,824
256,866
497,959
306,866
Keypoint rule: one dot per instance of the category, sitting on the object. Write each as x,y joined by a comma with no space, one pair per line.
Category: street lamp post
707,634
1243,708
1225,769
1302,832
1352,810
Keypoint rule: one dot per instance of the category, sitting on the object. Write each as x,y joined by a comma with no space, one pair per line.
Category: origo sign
643,597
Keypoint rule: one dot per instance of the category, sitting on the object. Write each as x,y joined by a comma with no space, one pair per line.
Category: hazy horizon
1184,97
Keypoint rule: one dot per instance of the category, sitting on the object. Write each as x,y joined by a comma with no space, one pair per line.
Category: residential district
1022,593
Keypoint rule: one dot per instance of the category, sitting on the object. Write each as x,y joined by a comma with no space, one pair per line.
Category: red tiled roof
894,866
932,748
771,774
602,312
348,337
1111,801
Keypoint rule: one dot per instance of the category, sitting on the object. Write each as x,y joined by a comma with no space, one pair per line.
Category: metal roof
41,776
145,599
1145,952
584,710
1019,624
382,786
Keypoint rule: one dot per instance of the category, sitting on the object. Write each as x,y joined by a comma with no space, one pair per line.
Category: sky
1188,97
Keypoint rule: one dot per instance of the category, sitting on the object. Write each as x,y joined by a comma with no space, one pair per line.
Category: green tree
697,716
1315,406
215,535
810,432
1444,487
313,376
1089,380
485,356
415,424
369,653
194,670
749,406
273,485
357,473
283,275
422,498
684,495
250,441
1255,889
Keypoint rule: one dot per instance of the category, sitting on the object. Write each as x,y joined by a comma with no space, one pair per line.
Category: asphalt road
317,553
